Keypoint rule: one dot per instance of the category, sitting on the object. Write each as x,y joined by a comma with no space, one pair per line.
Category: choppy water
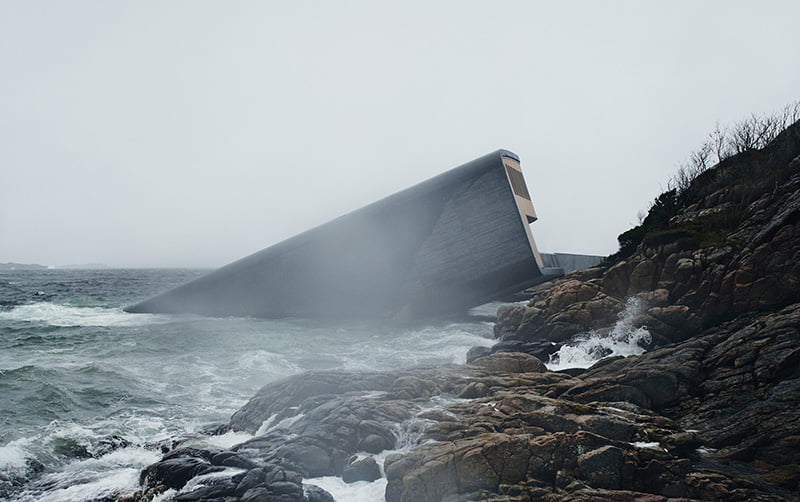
77,372
75,369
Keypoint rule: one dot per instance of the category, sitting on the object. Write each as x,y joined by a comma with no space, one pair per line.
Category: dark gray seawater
75,369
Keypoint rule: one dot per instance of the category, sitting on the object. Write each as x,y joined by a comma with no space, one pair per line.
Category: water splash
410,433
626,338
105,477
13,458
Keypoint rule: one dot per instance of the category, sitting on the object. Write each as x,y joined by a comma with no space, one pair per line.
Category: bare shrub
752,133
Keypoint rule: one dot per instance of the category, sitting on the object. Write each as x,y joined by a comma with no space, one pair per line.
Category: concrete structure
452,242
569,262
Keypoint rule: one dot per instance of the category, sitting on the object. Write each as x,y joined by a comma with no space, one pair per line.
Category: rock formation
710,412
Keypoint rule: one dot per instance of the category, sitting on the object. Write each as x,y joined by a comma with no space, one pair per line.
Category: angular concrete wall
444,245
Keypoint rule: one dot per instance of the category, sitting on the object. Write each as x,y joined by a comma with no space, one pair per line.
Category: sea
88,392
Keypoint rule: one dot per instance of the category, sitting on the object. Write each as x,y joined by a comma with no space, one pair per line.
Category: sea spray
409,433
63,315
626,338
75,369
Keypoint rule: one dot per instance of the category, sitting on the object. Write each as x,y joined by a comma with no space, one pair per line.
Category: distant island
36,266
21,266
84,266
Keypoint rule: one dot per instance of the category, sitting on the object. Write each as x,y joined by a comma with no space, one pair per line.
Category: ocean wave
55,314
13,457
624,339
81,483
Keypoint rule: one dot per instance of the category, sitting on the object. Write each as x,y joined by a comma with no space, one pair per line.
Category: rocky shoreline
704,420
710,412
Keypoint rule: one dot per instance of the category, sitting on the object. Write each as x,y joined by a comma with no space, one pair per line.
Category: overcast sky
192,133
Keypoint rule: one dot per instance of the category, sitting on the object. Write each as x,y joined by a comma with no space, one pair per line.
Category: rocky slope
709,413
727,245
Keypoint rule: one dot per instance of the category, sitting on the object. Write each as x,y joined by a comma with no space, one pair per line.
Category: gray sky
169,133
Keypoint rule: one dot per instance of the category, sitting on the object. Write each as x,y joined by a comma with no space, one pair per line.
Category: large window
518,183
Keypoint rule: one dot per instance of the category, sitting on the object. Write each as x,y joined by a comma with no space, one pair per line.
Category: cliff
724,246
708,413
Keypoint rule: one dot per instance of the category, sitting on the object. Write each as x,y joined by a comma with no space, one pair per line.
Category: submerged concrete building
447,244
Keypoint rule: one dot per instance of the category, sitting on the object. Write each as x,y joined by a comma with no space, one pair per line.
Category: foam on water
122,481
93,479
283,424
166,496
228,439
54,314
75,370
360,491
624,339
13,457
420,345
409,435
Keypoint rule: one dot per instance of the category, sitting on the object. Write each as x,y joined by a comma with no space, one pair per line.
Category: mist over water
77,373
76,370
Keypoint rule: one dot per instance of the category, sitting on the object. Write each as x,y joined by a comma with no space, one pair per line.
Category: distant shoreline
36,266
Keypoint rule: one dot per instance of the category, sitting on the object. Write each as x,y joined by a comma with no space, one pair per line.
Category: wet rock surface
665,425
710,412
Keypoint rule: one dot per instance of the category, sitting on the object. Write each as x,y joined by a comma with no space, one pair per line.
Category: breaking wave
54,314
626,338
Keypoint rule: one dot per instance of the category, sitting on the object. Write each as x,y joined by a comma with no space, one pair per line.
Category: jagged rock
476,352
643,277
314,493
709,413
207,493
214,429
231,459
683,443
176,471
376,443
365,469
109,444
605,467
510,362
570,307
430,473
312,456
539,350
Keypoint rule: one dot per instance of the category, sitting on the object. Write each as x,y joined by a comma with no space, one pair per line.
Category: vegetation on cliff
736,159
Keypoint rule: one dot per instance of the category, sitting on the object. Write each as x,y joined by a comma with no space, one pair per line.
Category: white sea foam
624,339
229,439
360,491
285,423
67,315
109,484
263,359
95,478
132,456
266,425
409,435
419,345
12,457
207,479
149,378
166,496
